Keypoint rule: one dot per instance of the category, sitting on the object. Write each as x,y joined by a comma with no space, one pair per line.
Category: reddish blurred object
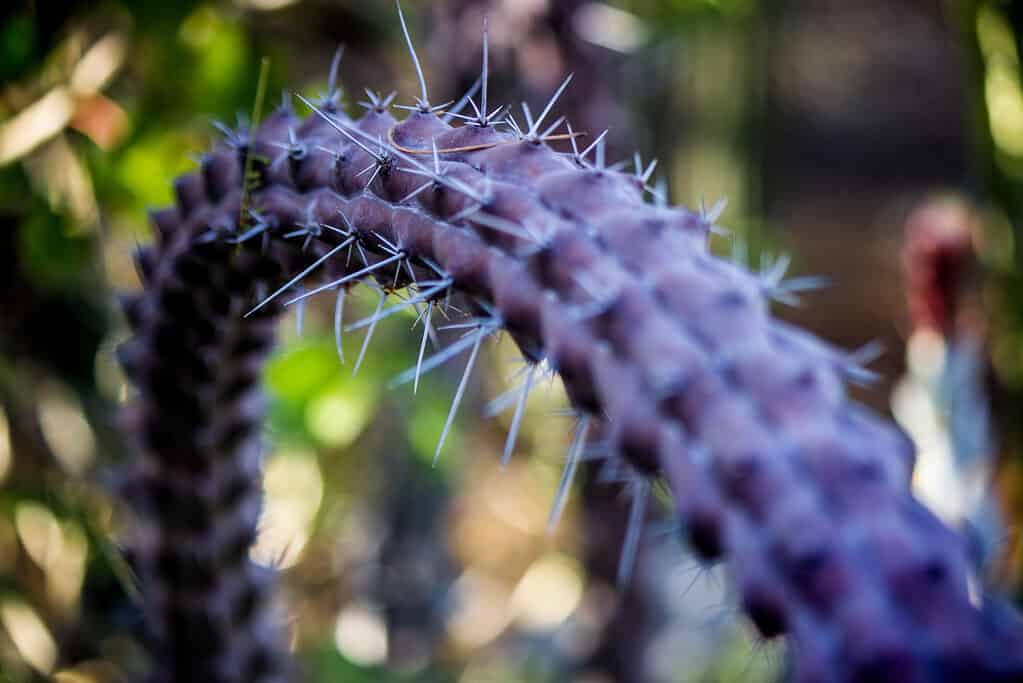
939,264
100,119
945,402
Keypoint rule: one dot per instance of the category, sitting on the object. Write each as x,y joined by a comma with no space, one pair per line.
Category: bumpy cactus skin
197,486
773,468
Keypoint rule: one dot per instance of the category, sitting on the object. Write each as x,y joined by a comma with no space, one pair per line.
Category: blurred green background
824,123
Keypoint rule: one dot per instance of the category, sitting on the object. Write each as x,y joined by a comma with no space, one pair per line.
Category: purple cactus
773,468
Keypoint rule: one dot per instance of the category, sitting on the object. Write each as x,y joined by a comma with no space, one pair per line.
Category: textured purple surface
805,493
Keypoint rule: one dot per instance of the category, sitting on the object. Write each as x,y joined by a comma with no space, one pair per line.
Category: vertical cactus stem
197,493
575,452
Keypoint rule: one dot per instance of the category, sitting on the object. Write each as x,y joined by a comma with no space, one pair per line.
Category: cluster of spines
745,418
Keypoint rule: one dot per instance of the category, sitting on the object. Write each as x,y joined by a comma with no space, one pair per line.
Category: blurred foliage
392,570
993,31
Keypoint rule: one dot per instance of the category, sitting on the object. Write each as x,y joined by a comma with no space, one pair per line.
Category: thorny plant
596,278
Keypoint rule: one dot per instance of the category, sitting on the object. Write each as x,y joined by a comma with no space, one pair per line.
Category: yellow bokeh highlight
39,532
479,610
29,635
66,430
549,592
995,36
1004,99
59,549
336,418
293,486
1002,92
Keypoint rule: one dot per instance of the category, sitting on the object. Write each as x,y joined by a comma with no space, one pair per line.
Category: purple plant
595,277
